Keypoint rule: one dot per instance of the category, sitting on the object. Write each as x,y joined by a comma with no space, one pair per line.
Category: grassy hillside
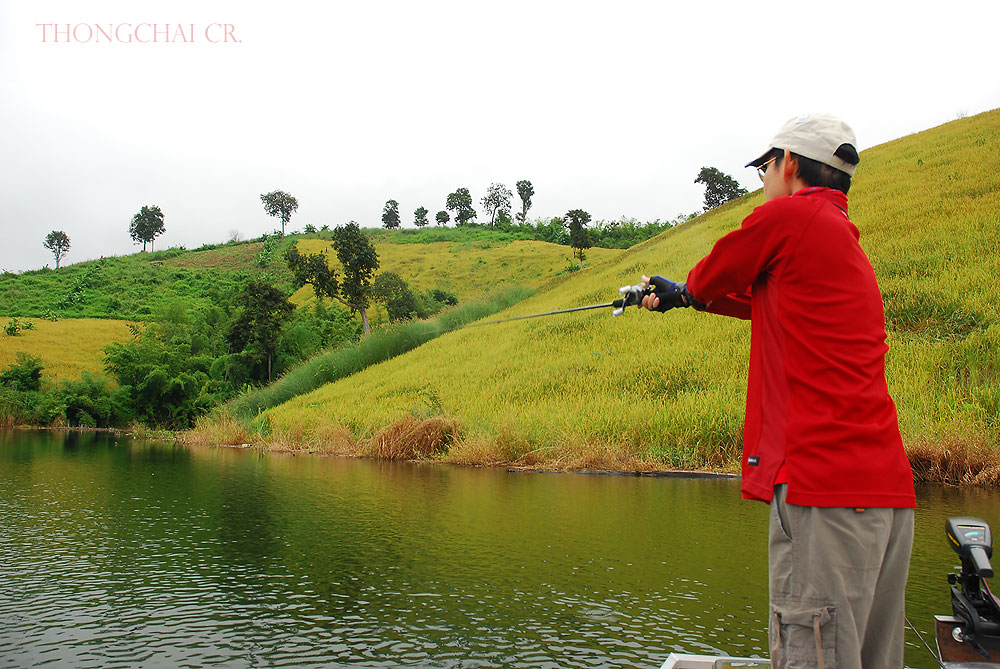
132,287
66,347
646,390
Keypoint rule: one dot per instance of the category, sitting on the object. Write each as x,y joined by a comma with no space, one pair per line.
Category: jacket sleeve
738,259
736,305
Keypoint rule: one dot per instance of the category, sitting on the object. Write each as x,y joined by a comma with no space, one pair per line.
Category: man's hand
666,295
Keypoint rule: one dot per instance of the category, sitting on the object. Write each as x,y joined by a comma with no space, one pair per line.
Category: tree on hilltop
390,215
525,191
146,226
579,238
720,188
280,204
420,217
442,217
497,200
359,261
460,202
57,241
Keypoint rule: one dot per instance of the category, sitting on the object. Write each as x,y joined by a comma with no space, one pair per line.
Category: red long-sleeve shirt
817,400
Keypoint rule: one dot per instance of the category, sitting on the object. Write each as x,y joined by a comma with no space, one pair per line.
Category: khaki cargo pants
837,585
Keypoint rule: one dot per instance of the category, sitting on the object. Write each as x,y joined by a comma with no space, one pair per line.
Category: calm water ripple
116,553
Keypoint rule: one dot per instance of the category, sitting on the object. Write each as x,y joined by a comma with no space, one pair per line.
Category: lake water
116,552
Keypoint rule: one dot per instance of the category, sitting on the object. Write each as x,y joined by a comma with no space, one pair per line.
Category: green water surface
116,552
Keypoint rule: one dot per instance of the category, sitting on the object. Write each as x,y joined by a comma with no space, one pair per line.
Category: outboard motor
972,602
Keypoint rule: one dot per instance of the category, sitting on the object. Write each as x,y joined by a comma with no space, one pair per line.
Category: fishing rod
631,296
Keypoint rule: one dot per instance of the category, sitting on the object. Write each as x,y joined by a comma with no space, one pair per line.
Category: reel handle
631,296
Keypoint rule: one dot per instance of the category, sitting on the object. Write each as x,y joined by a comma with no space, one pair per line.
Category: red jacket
817,399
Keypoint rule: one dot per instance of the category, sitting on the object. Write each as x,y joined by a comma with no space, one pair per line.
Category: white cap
815,136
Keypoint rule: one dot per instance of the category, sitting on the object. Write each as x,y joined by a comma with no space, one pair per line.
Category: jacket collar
831,195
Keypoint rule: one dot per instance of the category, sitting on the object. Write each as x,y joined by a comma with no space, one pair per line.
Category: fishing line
933,654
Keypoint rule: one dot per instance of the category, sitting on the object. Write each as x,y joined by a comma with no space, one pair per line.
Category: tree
442,217
461,203
497,199
390,215
281,204
390,289
58,242
257,329
313,269
420,217
719,187
359,261
524,190
146,226
579,238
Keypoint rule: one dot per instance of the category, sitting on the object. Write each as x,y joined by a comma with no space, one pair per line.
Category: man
821,440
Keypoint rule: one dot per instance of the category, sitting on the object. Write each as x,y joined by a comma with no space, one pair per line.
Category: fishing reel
972,602
631,296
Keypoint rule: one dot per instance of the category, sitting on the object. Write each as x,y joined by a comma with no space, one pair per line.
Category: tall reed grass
381,345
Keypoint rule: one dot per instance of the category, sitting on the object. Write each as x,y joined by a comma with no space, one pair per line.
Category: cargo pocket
803,638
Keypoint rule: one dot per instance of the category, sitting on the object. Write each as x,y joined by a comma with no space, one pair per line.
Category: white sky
611,107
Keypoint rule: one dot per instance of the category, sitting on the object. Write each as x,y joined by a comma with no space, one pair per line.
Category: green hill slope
646,390
136,286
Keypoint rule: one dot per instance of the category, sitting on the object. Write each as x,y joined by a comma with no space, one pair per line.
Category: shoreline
947,462
441,440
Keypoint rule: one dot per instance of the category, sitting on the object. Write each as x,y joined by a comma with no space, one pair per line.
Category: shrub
89,402
15,325
24,374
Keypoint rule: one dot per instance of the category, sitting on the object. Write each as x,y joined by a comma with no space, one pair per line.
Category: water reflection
115,553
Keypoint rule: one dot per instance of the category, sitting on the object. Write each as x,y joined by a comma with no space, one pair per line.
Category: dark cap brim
760,160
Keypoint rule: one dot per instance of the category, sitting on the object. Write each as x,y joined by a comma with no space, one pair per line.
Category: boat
680,661
967,639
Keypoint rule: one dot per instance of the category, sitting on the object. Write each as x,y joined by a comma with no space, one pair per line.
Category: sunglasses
762,169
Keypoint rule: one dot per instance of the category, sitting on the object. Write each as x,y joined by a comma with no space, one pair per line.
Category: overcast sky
611,107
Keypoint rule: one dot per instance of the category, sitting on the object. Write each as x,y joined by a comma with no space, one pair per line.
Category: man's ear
789,166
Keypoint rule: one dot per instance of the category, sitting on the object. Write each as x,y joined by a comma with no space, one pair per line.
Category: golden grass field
652,391
67,347
467,269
